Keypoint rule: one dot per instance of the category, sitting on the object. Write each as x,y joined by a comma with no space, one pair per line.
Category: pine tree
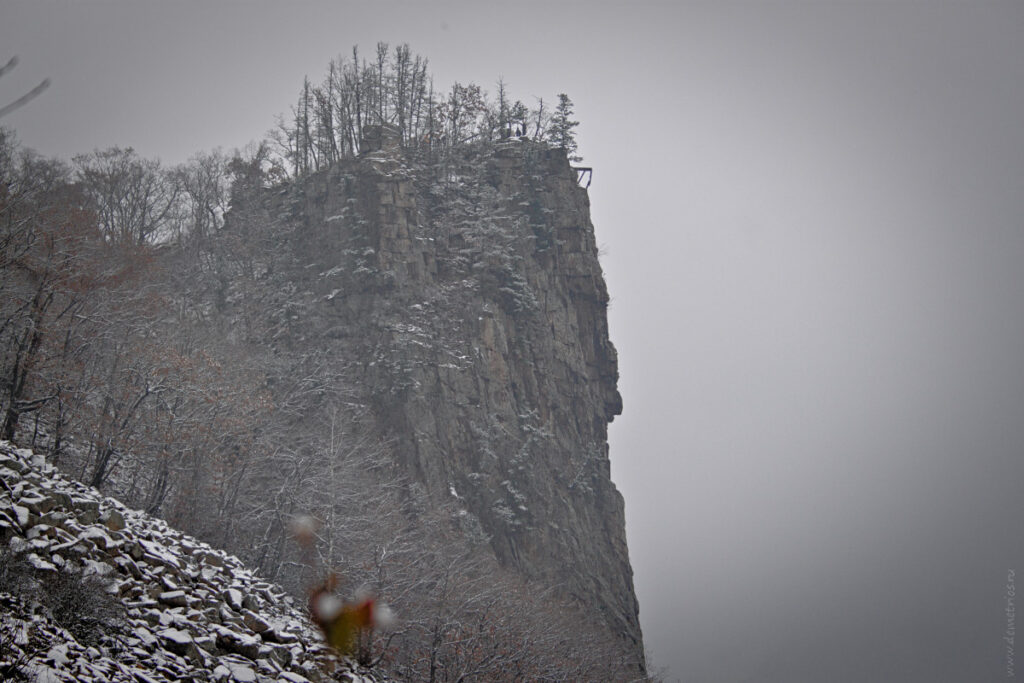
561,133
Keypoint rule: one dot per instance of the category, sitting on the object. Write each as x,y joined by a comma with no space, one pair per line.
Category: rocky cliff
465,300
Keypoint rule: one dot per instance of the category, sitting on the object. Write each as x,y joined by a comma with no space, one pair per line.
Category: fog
813,219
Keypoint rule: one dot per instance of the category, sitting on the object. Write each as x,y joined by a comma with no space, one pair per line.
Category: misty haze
545,341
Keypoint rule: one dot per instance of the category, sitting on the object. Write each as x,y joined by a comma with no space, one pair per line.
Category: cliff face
468,302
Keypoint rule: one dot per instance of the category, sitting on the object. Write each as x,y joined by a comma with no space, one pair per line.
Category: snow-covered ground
190,612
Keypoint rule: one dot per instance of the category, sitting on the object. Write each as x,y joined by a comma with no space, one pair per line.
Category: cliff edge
466,301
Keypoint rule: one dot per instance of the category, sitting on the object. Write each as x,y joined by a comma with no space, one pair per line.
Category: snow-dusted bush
80,603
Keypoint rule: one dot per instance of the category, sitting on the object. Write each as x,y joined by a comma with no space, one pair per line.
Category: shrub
79,603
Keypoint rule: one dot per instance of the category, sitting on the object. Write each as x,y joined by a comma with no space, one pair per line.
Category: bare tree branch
27,97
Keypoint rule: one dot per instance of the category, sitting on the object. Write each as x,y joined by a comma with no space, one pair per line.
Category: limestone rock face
470,303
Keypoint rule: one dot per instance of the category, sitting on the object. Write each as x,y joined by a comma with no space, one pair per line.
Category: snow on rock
233,599
44,674
173,598
21,513
290,677
242,673
191,612
255,622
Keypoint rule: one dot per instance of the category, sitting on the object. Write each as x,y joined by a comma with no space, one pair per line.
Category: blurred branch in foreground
27,97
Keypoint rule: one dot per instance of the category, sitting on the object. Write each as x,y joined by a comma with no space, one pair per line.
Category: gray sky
814,221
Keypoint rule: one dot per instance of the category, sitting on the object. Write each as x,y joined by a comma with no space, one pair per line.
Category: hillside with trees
248,338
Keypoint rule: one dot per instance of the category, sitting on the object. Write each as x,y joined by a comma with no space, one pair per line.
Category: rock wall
190,612
467,300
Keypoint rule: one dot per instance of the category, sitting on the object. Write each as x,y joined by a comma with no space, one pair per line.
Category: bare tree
45,251
133,197
203,197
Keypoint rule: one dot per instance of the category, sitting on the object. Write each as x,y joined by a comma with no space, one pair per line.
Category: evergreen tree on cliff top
561,133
